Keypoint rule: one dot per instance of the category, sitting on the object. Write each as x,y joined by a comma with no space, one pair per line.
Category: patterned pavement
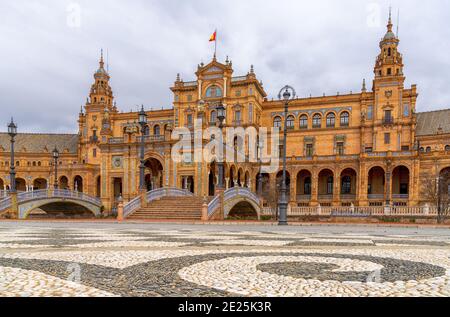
162,260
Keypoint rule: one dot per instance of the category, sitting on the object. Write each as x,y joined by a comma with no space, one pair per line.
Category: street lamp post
259,180
12,131
55,159
143,124
221,117
287,93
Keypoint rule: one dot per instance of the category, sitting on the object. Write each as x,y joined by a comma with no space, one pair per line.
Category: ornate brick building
367,148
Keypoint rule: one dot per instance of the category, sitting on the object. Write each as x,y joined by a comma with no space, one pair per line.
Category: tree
435,190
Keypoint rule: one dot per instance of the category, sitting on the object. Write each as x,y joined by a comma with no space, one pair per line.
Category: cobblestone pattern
115,262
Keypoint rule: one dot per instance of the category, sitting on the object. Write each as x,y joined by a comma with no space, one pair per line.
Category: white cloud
320,47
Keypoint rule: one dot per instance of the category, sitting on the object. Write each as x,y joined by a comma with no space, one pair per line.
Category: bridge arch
241,201
26,208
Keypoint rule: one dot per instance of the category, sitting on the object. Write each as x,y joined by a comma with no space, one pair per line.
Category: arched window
17,163
422,150
331,120
304,122
156,130
447,148
428,149
307,186
290,122
39,164
317,121
213,116
237,116
346,185
345,119
213,92
277,122
330,185
147,130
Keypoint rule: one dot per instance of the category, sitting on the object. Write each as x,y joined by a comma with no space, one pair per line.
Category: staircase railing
5,203
165,192
213,206
132,206
240,191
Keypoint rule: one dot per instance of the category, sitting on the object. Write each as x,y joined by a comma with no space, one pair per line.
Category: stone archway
400,182
243,210
2,184
304,186
63,182
40,184
288,185
348,184
325,184
153,174
21,185
376,183
212,179
78,183
98,186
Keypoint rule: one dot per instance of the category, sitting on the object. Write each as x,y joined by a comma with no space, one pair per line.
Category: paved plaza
108,259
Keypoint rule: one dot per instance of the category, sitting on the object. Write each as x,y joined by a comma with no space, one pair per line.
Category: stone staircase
171,208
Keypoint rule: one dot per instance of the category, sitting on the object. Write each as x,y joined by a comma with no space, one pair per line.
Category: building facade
367,148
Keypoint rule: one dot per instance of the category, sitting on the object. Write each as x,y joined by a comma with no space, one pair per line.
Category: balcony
93,139
400,196
303,197
351,197
152,138
327,197
375,196
388,120
116,140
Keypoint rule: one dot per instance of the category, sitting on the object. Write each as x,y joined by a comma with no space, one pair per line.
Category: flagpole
215,46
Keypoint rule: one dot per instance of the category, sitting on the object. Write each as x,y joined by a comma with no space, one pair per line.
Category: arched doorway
2,184
78,184
265,185
98,187
304,186
400,183
63,183
212,179
40,184
153,174
188,183
21,185
376,184
326,185
348,184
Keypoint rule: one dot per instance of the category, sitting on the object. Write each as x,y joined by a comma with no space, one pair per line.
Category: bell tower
389,63
95,123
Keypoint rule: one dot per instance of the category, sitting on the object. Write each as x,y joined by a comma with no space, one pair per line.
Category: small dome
390,36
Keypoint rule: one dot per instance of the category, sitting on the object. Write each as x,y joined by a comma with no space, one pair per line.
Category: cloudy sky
50,49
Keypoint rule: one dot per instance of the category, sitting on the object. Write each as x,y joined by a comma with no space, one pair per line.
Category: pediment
213,68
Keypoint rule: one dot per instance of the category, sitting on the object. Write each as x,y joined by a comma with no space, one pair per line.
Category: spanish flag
213,37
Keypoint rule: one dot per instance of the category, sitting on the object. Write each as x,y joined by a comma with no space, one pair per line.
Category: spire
102,63
364,89
390,25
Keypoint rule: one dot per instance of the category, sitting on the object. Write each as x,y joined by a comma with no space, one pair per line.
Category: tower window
213,92
389,51
370,112
94,153
389,71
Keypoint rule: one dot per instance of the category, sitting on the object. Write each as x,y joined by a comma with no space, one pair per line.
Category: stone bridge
234,197
29,201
